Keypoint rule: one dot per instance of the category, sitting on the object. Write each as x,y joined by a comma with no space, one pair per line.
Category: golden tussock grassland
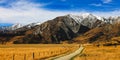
34,51
100,53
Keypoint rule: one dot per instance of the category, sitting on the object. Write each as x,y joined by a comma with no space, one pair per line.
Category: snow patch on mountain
32,25
80,18
16,26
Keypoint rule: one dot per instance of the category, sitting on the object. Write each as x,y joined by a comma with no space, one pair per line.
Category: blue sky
5,24
77,5
71,5
28,11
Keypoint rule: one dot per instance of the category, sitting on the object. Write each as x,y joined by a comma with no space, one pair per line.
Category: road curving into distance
70,56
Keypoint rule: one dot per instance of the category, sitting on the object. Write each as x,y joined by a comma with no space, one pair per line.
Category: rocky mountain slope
60,29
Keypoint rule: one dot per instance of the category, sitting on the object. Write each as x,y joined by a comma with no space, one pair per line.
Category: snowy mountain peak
16,26
88,16
114,17
85,15
77,18
32,25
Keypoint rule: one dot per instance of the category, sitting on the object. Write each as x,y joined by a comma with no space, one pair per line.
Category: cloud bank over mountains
24,11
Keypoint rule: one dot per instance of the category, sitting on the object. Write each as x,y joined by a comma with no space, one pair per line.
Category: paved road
68,57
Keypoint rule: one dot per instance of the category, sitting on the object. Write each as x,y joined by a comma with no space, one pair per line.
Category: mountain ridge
59,29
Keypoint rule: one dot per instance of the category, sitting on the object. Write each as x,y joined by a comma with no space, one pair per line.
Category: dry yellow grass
100,53
34,51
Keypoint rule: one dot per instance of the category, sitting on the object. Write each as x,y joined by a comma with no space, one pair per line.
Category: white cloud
101,4
108,14
26,12
106,1
96,4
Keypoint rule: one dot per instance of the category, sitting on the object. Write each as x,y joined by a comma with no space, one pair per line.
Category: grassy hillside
106,34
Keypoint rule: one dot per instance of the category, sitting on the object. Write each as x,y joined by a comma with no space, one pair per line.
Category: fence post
33,55
13,56
25,57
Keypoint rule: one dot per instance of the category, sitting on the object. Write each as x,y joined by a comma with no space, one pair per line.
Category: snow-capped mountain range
83,18
15,26
18,25
58,29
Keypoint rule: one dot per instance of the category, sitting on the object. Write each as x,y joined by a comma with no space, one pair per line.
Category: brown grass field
34,51
100,53
45,51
